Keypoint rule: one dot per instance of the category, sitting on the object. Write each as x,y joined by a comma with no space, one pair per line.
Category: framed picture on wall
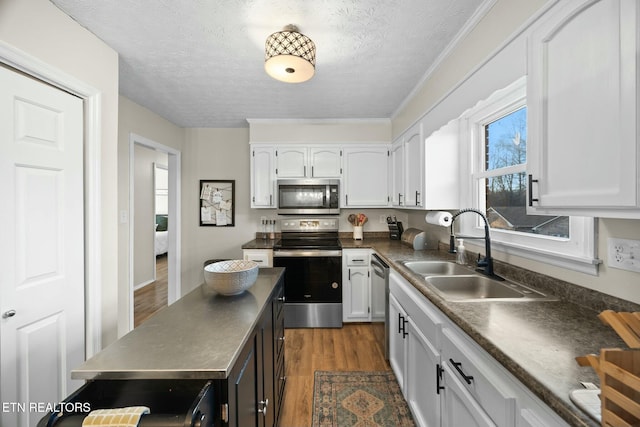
217,203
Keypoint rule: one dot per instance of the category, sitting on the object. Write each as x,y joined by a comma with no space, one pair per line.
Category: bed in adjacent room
162,235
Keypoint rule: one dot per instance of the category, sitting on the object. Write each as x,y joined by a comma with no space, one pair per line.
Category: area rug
359,399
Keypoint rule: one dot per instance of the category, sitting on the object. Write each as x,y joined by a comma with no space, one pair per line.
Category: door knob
8,314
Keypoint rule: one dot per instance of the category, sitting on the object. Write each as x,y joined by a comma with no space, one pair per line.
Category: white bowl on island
231,277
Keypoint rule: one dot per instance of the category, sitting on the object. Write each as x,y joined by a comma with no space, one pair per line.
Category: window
502,178
495,137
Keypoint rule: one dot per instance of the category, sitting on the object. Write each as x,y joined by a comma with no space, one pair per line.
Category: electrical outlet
383,219
623,254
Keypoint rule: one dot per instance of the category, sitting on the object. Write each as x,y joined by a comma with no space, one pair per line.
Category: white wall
43,32
214,154
143,214
138,120
481,64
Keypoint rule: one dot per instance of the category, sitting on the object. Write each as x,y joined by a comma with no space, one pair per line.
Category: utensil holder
357,232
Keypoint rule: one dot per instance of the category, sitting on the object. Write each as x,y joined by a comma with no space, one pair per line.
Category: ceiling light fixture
290,56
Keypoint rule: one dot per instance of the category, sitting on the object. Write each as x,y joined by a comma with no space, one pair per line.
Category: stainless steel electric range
310,251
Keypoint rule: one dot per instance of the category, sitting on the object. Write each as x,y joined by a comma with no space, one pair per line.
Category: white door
42,246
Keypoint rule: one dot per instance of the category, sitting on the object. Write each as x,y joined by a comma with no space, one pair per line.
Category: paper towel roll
439,218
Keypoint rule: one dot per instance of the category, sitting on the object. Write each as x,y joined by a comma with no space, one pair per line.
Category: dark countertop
536,341
200,336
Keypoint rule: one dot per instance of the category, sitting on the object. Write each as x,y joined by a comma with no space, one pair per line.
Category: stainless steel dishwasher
380,279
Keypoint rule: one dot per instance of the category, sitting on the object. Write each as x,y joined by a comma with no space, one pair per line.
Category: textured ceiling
200,63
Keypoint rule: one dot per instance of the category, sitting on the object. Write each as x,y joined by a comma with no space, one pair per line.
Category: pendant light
290,56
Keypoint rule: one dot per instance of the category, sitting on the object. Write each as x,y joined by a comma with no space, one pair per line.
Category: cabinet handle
439,371
270,199
346,200
399,199
281,299
349,271
281,338
417,198
312,172
531,181
458,366
402,323
264,404
304,171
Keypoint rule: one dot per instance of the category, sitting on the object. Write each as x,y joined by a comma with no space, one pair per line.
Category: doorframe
92,121
174,257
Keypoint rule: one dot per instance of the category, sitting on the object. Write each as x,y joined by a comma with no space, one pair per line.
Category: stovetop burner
309,233
308,243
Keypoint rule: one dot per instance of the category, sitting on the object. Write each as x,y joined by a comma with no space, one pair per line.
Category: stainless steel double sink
458,283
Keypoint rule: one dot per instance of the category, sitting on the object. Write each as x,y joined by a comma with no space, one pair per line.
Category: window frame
577,253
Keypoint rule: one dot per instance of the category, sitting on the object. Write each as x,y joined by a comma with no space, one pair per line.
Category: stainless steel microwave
308,196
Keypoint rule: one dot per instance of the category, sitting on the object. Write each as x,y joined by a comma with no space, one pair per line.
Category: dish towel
116,417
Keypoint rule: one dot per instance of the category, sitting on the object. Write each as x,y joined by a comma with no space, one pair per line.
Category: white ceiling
200,63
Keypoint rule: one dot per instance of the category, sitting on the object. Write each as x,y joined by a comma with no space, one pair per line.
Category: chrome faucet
485,265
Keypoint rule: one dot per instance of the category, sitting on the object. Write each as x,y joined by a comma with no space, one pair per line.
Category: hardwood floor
152,297
354,347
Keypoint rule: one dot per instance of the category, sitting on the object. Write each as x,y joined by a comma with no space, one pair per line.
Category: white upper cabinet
396,173
308,162
582,97
423,173
291,162
441,168
325,162
365,181
262,177
414,161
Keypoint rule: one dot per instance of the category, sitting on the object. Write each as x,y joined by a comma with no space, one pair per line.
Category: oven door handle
306,253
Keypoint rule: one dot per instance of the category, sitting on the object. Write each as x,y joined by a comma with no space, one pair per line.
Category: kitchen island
233,345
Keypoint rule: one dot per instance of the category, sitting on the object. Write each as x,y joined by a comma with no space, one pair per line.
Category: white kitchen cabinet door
441,168
325,162
398,320
365,176
397,173
414,161
582,148
291,162
355,302
459,408
262,177
423,360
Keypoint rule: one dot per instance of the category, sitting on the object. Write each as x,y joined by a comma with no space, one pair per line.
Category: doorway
148,160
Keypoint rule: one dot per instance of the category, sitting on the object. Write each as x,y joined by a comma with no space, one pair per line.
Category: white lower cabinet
472,380
459,408
262,257
447,379
361,302
423,361
397,341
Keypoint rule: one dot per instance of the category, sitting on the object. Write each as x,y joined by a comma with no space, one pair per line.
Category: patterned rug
359,399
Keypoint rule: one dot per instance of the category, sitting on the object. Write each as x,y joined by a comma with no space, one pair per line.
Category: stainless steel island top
199,336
